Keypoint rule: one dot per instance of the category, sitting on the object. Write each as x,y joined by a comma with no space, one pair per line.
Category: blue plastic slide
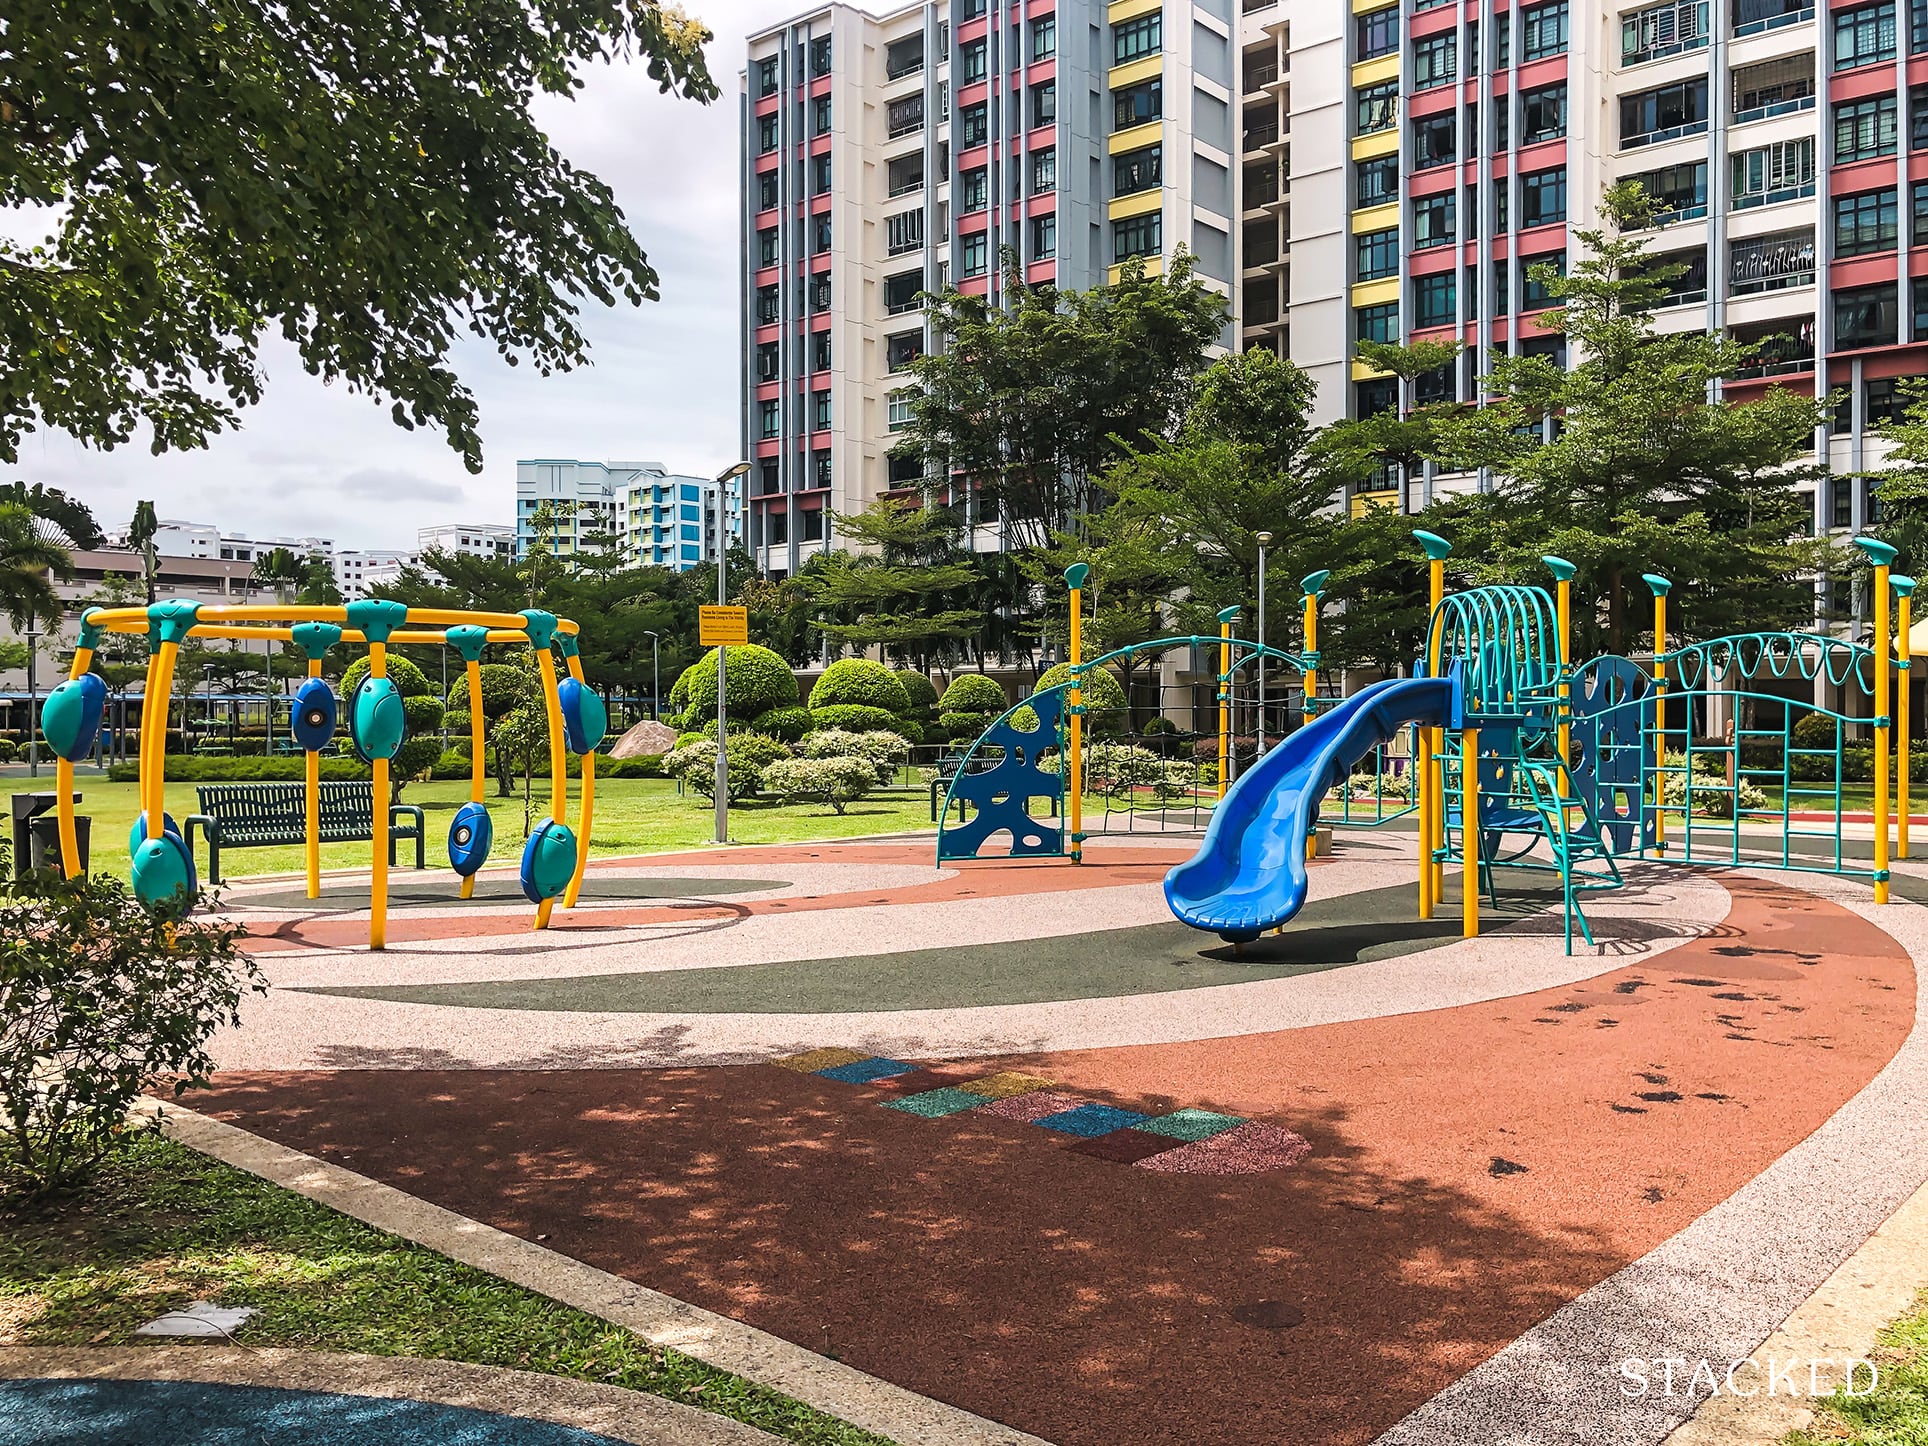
1249,874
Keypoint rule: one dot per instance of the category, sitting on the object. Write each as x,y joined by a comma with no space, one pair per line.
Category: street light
723,481
33,635
1264,541
655,676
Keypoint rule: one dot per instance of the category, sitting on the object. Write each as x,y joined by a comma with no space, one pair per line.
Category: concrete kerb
632,1416
729,1345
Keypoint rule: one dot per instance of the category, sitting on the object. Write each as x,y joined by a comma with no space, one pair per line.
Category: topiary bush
963,727
860,682
1814,730
1158,727
838,782
786,725
422,709
884,752
1104,696
759,681
973,693
856,718
744,761
920,691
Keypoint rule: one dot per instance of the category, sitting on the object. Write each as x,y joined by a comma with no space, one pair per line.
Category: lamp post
33,704
1264,541
655,676
723,481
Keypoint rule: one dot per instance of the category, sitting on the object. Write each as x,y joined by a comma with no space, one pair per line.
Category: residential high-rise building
651,515
889,156
477,539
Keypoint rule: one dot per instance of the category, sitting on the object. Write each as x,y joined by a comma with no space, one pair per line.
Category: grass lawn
633,815
163,1225
1896,1412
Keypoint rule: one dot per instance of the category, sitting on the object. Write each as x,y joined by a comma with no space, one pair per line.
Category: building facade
475,539
651,515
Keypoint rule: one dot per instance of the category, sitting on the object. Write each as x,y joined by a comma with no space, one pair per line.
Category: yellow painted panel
1374,293
1379,143
1375,218
1132,9
1364,502
1361,372
1141,204
1366,7
1148,67
1372,72
1148,134
1154,266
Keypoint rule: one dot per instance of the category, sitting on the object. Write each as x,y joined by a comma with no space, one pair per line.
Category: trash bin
36,832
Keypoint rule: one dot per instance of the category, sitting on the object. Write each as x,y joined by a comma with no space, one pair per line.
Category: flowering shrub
749,754
838,781
884,752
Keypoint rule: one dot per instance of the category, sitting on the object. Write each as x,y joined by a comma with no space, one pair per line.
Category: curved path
1511,1168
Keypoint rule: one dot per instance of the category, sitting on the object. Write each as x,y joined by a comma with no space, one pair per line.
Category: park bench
261,815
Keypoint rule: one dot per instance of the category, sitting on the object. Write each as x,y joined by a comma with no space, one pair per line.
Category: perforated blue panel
1001,795
1613,702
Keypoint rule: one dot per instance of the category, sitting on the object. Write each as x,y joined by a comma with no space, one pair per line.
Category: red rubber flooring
1471,1170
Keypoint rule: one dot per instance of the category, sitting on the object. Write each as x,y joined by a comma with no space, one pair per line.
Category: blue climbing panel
1612,736
999,798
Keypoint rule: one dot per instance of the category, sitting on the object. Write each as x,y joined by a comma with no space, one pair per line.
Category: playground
1107,1128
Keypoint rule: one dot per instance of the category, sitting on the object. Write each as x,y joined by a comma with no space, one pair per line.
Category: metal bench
261,815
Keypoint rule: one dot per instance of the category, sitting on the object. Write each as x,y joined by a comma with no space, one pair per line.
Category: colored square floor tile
933,1103
863,1071
1123,1147
1246,1149
1027,1108
812,1060
1190,1124
1005,1085
924,1078
1090,1119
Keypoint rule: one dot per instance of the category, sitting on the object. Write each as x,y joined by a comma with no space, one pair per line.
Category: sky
663,385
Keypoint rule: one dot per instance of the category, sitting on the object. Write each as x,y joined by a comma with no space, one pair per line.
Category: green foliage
1815,730
973,693
862,682
1158,727
786,725
744,761
190,768
856,718
837,781
679,692
29,562
422,710
220,172
908,591
8,749
1104,696
100,996
504,686
885,752
961,727
759,681
919,691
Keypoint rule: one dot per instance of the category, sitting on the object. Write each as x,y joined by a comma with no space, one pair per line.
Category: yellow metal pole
558,760
142,754
1904,589
1311,647
588,804
64,784
476,744
1660,587
1074,577
1882,555
1563,571
311,761
1432,741
157,805
1469,833
1225,699
378,800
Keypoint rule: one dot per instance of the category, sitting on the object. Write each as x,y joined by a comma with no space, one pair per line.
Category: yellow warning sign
723,627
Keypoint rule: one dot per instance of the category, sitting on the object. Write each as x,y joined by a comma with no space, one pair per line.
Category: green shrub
920,691
504,686
629,767
451,765
836,781
856,718
683,740
973,693
862,683
1814,730
759,681
679,691
911,730
784,724
745,759
1158,727
963,727
288,768
7,750
422,710
104,997
1104,696
884,752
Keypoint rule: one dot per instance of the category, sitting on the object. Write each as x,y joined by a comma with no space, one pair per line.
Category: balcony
1757,17
1261,128
1771,263
1663,30
1778,87
1259,75
1786,347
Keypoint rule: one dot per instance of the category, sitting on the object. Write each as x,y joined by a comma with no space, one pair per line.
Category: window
1535,292
1543,197
1778,87
1044,104
1260,241
1500,192
974,253
1376,34
1135,38
901,291
1136,236
1374,397
1376,181
1864,35
1376,323
905,174
1864,129
819,234
813,519
1378,253
971,9
902,409
1543,114
1865,316
1681,190
820,116
1433,61
1502,287
767,246
1544,31
769,302
1376,107
769,418
1135,171
769,361
903,349
1432,220
1866,222
904,117
1433,140
973,125
820,55
943,100
820,351
970,61
766,76
766,190
1044,38
1044,171
1771,263
904,231
1664,114
820,174
820,292
766,134
776,527
1918,119
1663,30
1137,105
1044,237
973,190
1751,17
1770,174
1433,300
820,411
1502,39
1687,286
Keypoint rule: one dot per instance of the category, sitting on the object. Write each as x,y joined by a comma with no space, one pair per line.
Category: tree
898,595
1624,465
73,517
365,179
28,563
280,571
140,536
422,711
1902,480
1028,398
